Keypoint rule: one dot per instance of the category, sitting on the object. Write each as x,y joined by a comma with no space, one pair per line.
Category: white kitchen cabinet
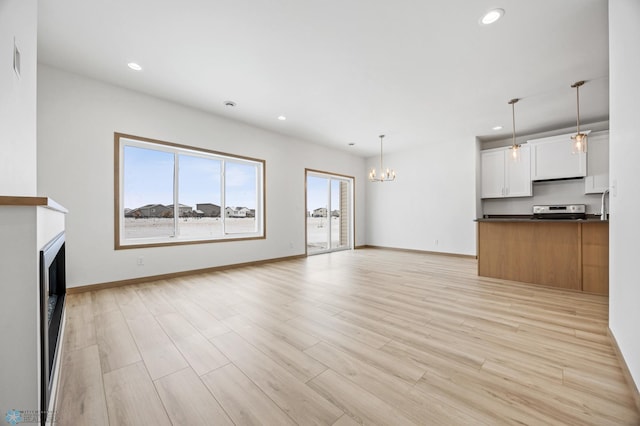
552,158
597,179
502,176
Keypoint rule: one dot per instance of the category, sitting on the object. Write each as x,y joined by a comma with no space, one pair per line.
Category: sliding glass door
329,212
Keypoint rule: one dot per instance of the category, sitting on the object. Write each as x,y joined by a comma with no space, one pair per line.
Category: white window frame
121,242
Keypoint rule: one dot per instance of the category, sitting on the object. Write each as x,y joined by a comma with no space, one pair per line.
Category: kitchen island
570,254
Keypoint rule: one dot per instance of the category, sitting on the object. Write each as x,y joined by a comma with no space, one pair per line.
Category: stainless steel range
560,211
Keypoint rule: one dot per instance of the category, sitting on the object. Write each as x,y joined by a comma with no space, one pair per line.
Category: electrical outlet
436,242
140,261
290,244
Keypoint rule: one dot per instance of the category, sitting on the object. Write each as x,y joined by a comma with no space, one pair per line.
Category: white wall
624,237
552,192
18,20
77,117
433,198
19,319
597,126
28,229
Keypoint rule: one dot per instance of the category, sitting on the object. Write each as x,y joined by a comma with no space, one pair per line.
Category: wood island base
566,254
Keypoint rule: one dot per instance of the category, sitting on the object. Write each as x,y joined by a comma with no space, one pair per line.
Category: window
329,199
173,194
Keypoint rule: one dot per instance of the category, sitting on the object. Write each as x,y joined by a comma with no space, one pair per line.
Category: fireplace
52,298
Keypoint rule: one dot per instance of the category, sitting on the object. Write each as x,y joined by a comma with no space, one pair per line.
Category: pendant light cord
513,116
513,121
577,85
578,107
381,169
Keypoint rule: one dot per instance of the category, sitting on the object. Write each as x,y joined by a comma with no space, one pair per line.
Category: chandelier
384,176
579,139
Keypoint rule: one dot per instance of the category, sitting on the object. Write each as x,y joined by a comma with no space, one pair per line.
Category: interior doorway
329,212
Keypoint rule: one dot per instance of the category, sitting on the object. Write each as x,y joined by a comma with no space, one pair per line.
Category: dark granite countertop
529,218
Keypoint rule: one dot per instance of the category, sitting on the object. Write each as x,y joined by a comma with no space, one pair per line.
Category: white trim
57,372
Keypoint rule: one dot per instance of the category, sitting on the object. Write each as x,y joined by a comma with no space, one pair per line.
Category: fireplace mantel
8,200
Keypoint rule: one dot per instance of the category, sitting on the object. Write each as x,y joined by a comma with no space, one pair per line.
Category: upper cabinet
597,180
502,176
552,158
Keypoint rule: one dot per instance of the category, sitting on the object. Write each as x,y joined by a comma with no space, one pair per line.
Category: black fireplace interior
52,296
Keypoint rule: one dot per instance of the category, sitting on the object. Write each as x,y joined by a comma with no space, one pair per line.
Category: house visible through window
174,194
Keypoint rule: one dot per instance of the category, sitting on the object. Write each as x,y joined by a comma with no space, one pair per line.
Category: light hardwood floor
359,337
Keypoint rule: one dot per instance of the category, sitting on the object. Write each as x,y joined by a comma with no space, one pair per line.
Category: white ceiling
343,71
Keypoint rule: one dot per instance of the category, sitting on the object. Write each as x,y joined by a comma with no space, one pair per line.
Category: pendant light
579,144
515,148
389,175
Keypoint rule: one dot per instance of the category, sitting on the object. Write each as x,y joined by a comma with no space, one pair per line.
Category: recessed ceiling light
497,128
492,16
229,104
282,117
134,66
